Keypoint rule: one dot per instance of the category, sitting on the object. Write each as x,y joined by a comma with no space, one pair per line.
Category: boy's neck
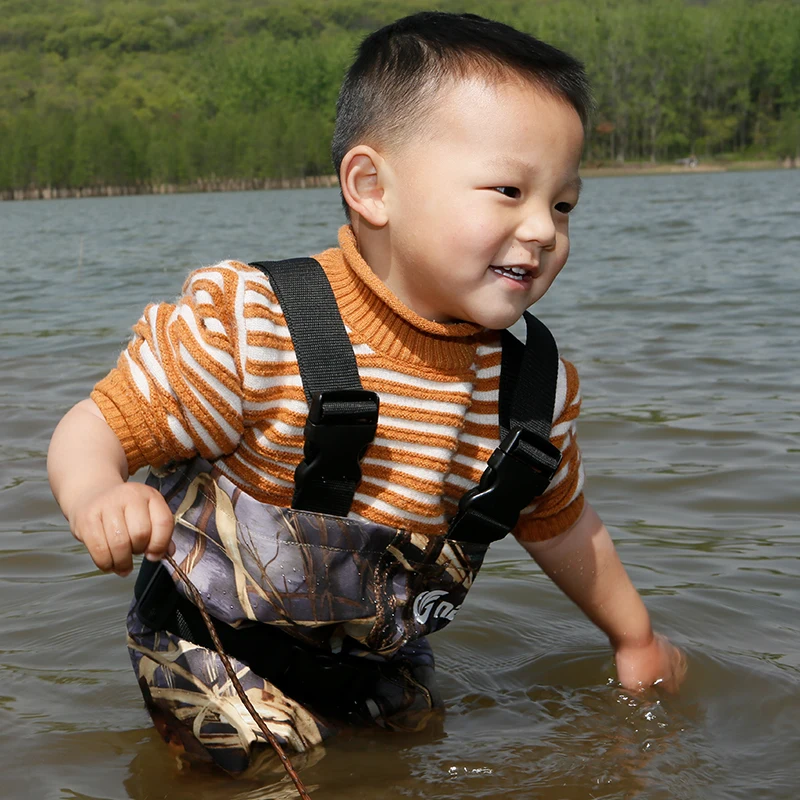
375,247
380,318
373,244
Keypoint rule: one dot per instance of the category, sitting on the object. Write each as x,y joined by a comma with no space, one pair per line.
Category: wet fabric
347,591
196,709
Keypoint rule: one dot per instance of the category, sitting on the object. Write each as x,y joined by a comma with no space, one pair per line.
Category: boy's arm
88,474
177,391
584,564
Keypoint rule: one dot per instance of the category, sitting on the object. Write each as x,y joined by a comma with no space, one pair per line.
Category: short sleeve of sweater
561,505
176,390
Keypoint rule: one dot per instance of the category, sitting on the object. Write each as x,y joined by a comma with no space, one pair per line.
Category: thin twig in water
198,601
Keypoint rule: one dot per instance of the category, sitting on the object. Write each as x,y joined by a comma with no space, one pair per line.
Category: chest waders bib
325,618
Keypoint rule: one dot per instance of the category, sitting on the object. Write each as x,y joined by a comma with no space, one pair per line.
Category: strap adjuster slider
519,470
340,426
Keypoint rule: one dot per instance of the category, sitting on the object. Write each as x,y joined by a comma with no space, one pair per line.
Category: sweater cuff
538,529
129,427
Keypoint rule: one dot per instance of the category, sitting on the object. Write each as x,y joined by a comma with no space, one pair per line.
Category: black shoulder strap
324,353
521,468
342,416
528,378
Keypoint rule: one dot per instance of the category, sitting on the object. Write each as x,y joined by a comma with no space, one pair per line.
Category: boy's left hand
657,663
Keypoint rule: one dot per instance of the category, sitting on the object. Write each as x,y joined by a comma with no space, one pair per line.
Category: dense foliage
151,91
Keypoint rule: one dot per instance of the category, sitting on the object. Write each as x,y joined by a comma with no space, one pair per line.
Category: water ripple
684,329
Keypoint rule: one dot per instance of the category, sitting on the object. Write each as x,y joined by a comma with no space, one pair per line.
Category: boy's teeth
517,273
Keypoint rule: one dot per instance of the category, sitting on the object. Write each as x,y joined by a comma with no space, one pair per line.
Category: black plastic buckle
340,426
519,470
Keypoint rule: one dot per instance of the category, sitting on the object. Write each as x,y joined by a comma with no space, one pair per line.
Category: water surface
679,307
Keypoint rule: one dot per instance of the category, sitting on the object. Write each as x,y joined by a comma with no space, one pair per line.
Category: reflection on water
679,309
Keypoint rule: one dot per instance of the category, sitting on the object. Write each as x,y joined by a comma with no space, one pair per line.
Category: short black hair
401,66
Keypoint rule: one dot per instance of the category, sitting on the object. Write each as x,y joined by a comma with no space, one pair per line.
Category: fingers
162,523
659,664
137,520
128,520
91,532
119,543
679,667
675,666
105,536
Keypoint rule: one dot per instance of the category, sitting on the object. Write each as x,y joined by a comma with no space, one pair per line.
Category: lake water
679,307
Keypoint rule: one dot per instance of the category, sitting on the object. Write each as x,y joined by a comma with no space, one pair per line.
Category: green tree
180,90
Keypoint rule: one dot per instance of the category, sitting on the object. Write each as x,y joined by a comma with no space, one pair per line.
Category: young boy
457,145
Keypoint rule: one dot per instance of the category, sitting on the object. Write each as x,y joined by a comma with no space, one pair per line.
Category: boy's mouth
516,272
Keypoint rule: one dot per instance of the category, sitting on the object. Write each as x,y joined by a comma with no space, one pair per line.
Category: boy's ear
362,186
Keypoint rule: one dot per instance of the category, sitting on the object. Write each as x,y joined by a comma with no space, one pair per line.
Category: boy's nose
539,228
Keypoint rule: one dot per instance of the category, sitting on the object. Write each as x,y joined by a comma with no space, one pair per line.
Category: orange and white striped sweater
215,374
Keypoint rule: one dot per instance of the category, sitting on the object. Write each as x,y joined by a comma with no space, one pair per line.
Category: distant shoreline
317,181
646,168
194,187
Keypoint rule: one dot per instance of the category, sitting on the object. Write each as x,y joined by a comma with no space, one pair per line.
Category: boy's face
478,205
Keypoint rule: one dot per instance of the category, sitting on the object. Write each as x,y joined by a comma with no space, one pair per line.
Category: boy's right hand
122,521
655,663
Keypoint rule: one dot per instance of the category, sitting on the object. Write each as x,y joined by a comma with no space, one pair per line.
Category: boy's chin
497,320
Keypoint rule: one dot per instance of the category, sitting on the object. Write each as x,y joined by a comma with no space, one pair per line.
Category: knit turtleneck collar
390,327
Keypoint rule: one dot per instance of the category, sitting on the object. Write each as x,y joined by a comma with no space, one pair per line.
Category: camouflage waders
325,618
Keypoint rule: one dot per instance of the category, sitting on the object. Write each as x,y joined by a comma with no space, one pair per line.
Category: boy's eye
564,208
509,191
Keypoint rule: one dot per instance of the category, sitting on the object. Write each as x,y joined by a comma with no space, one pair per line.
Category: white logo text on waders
429,605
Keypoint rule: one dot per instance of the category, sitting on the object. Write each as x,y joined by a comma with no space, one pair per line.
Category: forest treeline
141,92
